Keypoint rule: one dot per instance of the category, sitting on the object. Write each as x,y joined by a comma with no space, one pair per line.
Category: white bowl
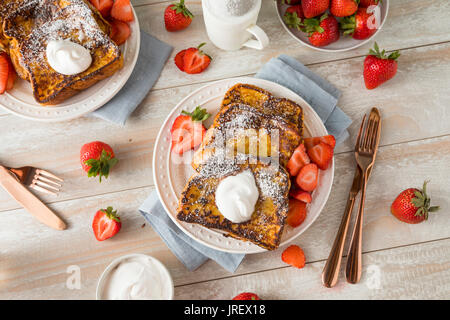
345,43
115,263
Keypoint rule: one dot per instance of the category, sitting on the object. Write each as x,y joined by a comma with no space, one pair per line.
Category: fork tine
48,174
42,178
44,185
367,135
38,188
358,139
375,133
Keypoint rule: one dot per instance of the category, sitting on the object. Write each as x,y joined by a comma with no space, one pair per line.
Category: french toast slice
244,129
30,26
265,102
198,205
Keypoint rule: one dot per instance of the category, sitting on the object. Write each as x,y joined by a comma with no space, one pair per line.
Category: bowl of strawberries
333,25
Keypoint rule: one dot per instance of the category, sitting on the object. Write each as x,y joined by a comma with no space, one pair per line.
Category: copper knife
29,201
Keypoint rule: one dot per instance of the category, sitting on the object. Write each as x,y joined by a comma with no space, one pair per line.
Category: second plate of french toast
221,164
66,57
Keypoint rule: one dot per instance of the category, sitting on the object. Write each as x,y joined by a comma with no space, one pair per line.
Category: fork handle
29,201
354,257
330,272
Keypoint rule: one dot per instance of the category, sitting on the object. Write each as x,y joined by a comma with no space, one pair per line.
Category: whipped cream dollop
236,196
138,278
67,57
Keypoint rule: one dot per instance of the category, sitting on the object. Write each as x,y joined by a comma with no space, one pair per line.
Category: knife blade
29,201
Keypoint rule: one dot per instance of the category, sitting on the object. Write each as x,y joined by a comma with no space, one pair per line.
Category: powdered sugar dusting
74,21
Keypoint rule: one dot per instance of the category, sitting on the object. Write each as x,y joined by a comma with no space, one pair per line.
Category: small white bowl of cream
135,277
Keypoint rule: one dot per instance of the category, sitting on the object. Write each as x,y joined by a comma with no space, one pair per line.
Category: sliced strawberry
121,10
298,160
12,76
247,296
104,6
195,60
120,31
321,154
311,142
297,213
301,195
188,131
4,71
308,177
294,256
179,59
106,224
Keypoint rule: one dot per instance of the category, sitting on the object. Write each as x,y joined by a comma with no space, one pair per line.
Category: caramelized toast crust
198,205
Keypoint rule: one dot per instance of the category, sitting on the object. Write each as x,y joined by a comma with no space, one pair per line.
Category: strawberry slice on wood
297,212
308,177
188,131
120,31
246,296
294,256
195,60
103,6
121,10
321,154
106,224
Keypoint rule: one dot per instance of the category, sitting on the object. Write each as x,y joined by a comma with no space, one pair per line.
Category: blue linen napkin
190,252
153,55
319,93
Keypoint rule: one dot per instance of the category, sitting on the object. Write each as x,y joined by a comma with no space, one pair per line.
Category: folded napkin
190,252
319,93
153,55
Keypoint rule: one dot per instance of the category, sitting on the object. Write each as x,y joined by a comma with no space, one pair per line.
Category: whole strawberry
413,205
379,68
313,8
294,16
246,296
177,17
343,8
322,31
358,25
97,158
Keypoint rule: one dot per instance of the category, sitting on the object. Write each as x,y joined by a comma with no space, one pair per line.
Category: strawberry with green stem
293,17
97,159
177,17
378,67
322,31
413,205
106,224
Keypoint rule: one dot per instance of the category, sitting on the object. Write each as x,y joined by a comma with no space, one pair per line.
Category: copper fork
38,179
365,152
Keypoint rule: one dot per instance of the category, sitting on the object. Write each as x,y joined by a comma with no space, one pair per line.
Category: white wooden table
400,260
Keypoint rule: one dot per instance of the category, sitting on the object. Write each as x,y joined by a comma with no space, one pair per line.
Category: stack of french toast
228,148
28,25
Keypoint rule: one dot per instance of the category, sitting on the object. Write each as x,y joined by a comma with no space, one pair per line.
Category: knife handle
29,201
330,272
354,258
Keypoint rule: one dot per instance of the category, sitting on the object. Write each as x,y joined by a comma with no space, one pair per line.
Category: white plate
344,43
20,101
170,178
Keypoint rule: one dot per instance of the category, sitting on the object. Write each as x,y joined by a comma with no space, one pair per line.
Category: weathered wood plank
412,272
36,258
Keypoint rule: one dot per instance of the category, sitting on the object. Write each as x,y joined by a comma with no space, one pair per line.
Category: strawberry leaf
198,114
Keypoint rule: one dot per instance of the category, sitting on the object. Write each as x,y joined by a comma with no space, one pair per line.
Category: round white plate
170,177
344,43
20,101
